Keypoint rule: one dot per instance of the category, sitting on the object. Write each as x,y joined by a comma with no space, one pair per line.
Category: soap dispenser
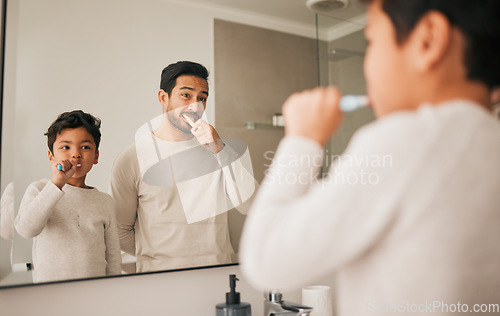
233,306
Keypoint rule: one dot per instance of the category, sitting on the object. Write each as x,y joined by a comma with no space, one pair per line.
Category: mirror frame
2,67
5,287
2,81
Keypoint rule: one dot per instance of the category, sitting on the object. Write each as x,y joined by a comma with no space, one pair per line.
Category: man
174,185
420,234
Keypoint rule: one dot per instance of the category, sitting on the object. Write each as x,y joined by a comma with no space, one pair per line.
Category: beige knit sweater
74,231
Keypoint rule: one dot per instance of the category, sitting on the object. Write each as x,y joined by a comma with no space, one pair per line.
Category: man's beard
179,122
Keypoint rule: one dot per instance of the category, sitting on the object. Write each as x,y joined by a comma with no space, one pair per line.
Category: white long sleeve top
409,215
74,232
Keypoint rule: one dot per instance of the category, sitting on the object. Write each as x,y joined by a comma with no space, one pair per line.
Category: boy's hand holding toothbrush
63,171
317,113
314,114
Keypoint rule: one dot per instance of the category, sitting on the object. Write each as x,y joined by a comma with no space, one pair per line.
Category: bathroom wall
256,69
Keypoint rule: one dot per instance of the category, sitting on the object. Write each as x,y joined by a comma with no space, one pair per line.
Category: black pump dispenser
233,305
232,297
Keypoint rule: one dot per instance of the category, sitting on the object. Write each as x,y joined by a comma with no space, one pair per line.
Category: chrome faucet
274,305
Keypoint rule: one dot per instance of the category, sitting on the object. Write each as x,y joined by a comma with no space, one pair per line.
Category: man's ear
96,159
430,40
162,96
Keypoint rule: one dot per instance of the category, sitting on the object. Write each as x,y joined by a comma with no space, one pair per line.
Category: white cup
319,298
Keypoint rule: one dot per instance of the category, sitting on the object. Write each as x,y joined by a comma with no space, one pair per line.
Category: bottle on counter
233,306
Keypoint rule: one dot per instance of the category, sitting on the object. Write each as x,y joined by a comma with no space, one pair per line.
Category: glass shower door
341,51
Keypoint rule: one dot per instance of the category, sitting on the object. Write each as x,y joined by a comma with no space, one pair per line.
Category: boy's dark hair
171,72
478,20
74,119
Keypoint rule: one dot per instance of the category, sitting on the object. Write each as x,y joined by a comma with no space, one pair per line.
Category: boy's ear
50,155
96,159
431,39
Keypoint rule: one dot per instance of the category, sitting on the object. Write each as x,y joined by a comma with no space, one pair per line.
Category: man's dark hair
478,20
74,119
171,72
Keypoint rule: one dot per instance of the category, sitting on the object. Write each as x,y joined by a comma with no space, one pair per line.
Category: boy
73,225
420,233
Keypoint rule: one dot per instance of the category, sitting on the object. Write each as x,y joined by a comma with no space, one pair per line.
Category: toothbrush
190,121
349,103
60,168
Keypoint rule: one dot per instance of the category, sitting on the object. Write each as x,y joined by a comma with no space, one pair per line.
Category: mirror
105,57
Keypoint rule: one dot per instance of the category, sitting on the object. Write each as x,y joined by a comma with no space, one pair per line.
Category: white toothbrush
349,103
190,121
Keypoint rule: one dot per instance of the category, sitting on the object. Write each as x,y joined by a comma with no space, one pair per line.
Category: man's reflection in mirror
72,224
174,186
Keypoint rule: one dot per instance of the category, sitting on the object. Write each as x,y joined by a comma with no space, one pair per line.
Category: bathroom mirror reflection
105,57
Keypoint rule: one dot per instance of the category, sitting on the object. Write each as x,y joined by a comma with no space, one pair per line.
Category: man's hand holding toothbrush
206,134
